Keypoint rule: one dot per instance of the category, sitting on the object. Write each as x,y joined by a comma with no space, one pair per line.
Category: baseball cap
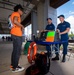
61,16
49,18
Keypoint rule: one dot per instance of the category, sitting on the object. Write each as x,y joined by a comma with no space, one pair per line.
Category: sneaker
11,67
18,69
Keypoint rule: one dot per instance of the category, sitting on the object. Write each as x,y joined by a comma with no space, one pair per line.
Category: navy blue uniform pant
65,45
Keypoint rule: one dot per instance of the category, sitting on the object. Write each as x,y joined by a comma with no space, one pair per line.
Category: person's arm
57,30
15,21
52,29
66,31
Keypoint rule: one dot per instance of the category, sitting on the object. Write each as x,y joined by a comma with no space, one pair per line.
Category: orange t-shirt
16,30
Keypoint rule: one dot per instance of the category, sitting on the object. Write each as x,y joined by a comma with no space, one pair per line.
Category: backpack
40,67
10,25
32,70
43,63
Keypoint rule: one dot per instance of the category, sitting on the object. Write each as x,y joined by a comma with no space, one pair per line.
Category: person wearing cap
16,34
63,28
49,27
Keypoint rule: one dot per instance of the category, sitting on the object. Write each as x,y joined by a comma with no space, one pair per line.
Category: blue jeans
17,44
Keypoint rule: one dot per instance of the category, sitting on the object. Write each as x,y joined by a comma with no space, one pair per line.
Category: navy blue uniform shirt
50,27
62,27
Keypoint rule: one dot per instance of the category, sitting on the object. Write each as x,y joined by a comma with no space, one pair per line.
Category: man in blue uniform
63,28
49,27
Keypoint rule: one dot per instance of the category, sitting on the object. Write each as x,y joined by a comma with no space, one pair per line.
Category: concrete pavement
56,68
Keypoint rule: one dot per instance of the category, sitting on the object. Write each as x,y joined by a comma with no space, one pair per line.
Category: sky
67,9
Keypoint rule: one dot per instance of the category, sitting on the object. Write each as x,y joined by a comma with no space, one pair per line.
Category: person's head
18,8
49,20
61,18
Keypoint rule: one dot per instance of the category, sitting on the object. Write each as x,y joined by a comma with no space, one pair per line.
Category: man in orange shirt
16,34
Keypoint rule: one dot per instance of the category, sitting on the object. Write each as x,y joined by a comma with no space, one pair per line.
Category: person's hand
58,30
60,33
45,30
42,31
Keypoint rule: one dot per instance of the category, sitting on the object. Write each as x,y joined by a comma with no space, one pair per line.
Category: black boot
49,54
64,58
56,58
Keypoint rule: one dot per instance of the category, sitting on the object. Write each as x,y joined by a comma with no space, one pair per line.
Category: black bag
32,70
41,66
43,36
43,63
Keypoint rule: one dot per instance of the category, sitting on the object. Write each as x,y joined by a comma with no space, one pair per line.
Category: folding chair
70,53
